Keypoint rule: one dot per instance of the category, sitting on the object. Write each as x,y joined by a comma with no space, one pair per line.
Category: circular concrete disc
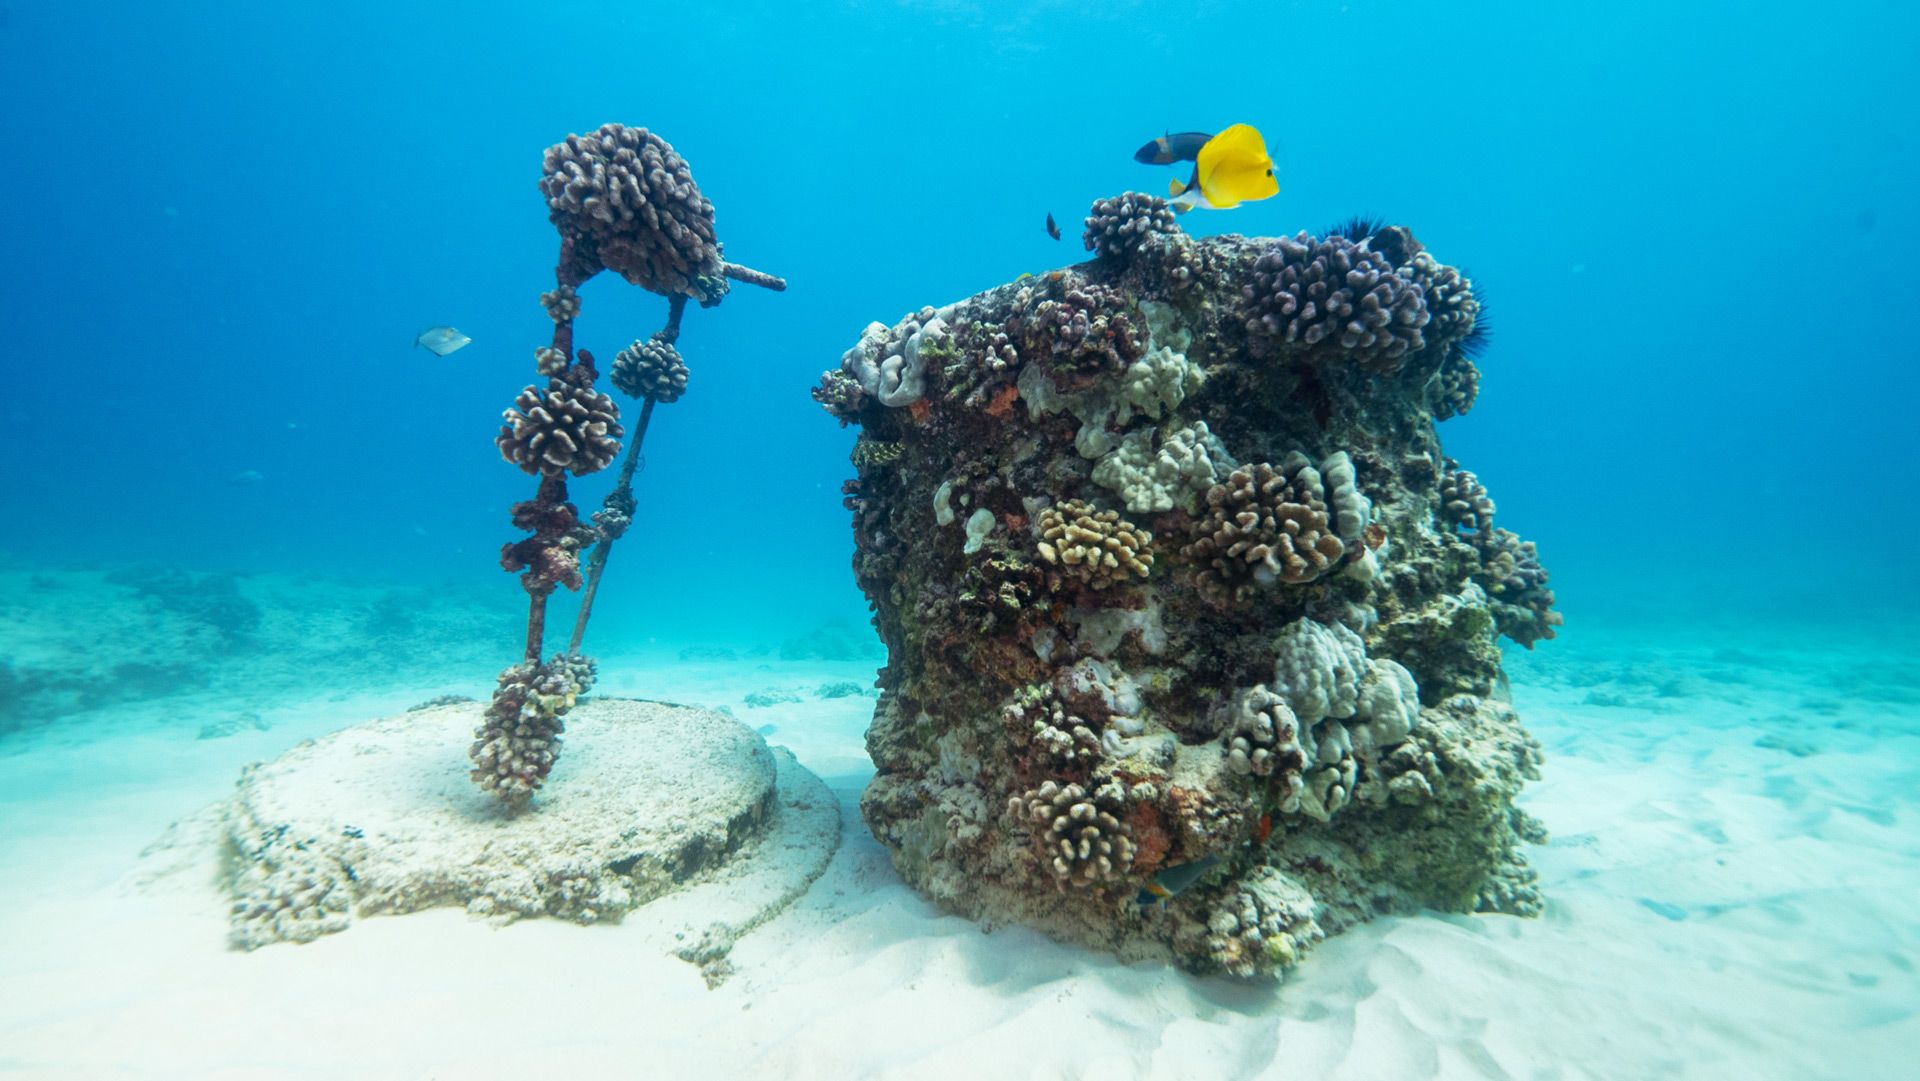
382,817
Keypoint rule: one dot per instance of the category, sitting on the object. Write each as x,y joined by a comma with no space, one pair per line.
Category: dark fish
441,340
1168,149
1053,228
1174,879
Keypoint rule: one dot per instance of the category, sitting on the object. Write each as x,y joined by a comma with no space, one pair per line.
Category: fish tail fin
1184,197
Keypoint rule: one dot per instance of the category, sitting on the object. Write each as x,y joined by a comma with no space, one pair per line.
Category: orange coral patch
1016,523
1150,838
919,408
1002,401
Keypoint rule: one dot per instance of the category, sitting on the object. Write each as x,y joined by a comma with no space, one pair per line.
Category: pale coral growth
1082,838
1098,548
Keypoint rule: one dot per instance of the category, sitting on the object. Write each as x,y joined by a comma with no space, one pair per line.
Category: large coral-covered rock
1287,719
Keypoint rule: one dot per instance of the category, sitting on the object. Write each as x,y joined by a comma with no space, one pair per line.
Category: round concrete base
646,799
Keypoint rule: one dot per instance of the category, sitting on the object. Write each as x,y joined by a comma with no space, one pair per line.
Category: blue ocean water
1692,225
226,224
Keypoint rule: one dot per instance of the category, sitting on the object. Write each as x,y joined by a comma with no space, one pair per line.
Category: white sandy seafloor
1733,891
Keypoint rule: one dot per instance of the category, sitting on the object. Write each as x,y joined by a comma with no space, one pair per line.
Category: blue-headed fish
1170,148
1170,881
1229,168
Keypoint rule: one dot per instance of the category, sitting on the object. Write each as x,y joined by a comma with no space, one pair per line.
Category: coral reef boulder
1124,666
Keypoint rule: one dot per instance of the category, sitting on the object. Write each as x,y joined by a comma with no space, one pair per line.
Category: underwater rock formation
1190,623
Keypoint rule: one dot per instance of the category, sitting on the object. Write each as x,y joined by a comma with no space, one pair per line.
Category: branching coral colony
1183,603
622,200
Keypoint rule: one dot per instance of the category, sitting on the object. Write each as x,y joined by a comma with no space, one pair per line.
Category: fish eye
1269,172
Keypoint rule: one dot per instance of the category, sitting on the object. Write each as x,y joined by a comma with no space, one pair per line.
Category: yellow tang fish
1229,168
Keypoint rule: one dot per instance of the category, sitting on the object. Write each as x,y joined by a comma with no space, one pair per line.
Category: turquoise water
230,222
234,479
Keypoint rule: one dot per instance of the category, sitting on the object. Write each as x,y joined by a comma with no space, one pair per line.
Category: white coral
1187,462
1350,708
1265,733
1389,706
1318,669
1347,509
895,378
1157,383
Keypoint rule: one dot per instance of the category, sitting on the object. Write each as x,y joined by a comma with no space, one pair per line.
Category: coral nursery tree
622,200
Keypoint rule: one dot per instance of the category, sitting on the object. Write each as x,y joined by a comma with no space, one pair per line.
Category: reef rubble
1191,625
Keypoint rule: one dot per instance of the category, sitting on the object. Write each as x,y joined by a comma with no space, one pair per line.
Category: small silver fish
442,340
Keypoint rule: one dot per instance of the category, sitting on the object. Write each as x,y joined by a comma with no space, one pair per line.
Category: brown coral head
518,740
1269,525
548,562
1464,503
562,428
1453,391
562,304
1516,582
1453,312
626,201
1083,838
1123,225
547,517
1096,548
651,369
1331,300
1082,328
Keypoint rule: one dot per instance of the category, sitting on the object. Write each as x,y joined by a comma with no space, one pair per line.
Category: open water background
225,223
